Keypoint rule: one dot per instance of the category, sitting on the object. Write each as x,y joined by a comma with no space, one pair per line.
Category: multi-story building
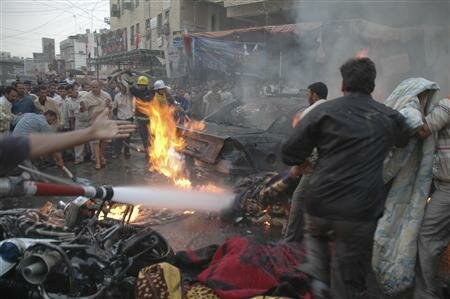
153,24
11,67
48,49
76,50
73,52
160,25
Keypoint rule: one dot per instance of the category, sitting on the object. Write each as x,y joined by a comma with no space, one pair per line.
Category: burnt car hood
207,144
228,131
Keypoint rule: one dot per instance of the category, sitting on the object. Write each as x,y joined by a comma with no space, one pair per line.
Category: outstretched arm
42,144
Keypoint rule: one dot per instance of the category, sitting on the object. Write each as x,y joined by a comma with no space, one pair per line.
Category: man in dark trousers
345,194
144,94
317,94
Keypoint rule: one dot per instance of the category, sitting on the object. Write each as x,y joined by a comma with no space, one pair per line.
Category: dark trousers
350,259
119,142
434,237
143,127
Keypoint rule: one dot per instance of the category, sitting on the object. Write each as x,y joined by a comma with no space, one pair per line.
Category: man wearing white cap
160,92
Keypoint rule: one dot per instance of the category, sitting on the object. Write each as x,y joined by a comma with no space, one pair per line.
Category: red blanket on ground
240,269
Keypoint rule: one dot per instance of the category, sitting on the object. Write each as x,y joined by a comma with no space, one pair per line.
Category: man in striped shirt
434,235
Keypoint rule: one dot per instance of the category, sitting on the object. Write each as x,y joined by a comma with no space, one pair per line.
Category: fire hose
20,186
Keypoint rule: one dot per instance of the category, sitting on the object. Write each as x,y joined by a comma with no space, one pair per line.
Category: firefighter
143,93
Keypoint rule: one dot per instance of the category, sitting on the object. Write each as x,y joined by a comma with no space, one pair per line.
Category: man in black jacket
143,93
345,194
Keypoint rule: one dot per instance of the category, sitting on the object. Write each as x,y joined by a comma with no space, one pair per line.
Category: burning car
242,138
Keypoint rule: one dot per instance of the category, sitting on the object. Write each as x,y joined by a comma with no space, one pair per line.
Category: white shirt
81,118
57,98
317,103
124,103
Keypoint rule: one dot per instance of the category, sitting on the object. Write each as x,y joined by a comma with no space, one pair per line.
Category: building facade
153,24
77,50
73,52
48,49
11,68
158,25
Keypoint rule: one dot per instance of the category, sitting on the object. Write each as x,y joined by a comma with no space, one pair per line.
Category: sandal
98,166
103,162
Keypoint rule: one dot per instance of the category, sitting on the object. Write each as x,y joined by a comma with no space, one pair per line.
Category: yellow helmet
143,80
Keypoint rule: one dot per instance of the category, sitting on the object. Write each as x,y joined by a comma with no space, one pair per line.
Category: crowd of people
67,106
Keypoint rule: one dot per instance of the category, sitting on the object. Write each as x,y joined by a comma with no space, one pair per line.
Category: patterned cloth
6,115
410,171
241,268
237,269
164,281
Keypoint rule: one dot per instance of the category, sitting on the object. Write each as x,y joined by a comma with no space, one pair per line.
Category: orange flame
165,141
183,183
362,53
194,125
117,212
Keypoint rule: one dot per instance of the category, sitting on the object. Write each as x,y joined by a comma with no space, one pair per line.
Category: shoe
77,162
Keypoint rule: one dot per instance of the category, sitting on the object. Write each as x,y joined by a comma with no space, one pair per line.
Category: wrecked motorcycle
67,252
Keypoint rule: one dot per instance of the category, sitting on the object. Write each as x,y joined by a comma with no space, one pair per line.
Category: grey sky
24,22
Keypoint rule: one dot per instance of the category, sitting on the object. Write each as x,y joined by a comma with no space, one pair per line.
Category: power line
37,27
84,10
35,32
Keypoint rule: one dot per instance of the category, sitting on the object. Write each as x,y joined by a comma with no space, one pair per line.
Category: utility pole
75,23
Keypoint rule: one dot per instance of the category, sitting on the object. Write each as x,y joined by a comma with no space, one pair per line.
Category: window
132,35
137,3
213,22
137,28
147,24
159,24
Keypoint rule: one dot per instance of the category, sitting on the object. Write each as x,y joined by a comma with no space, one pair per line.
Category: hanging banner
113,42
175,62
225,56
